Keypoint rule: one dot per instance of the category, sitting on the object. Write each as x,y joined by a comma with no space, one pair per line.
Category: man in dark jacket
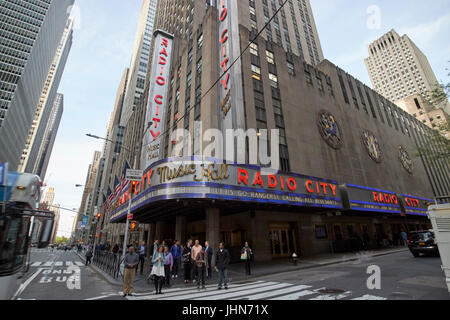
222,262
209,255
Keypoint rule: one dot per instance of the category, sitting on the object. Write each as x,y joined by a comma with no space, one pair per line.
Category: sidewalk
236,272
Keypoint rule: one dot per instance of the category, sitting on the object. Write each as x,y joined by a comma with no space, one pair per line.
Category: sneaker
173,277
203,287
176,276
219,288
226,288
124,295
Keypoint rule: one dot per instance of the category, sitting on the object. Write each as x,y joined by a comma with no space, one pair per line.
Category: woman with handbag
158,269
186,259
246,256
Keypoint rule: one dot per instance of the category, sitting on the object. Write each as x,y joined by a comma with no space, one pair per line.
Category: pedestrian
142,253
176,254
158,269
130,261
222,262
168,265
404,237
246,256
195,251
209,254
186,258
115,249
88,256
155,247
200,266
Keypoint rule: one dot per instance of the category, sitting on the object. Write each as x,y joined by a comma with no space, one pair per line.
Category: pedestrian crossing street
258,290
56,264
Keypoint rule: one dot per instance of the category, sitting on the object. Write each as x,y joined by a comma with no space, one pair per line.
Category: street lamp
135,154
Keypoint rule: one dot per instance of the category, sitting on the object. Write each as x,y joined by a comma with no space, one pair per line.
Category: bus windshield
13,241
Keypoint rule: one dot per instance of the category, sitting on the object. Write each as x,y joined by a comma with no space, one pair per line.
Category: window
270,57
291,68
254,49
273,80
320,84
256,72
321,232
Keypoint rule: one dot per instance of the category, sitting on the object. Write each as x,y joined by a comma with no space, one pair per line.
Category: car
422,242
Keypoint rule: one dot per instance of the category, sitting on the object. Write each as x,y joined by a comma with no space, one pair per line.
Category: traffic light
133,187
99,215
133,226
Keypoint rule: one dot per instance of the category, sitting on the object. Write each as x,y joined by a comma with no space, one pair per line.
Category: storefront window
321,232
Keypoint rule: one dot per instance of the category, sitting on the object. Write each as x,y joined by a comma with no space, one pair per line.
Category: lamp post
135,155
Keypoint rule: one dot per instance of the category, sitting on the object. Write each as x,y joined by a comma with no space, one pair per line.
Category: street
403,277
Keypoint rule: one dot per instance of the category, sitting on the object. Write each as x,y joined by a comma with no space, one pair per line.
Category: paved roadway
403,277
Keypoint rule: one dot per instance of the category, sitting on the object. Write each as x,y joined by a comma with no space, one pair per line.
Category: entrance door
282,240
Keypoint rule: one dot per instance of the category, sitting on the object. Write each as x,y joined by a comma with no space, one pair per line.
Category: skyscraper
29,161
140,59
294,29
31,33
398,68
45,150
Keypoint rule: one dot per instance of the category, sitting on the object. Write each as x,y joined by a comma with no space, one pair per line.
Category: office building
30,34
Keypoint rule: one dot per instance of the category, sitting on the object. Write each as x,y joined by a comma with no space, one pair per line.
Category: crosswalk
48,264
258,290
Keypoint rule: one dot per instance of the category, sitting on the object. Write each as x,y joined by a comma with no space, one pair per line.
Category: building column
180,229
213,230
159,230
151,237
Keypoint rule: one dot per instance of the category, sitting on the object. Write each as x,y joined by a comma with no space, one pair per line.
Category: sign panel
133,175
84,221
415,205
369,199
230,87
214,179
156,105
3,174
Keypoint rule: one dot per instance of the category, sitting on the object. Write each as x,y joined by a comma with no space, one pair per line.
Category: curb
114,282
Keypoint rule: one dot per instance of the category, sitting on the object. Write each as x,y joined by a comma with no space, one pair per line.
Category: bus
19,208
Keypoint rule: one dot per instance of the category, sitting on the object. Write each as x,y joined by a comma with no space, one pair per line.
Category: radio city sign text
231,175
225,59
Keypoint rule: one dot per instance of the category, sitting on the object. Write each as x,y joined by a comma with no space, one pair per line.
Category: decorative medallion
405,159
372,146
330,130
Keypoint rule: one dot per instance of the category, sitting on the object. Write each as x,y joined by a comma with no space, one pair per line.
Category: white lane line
102,297
58,264
36,264
79,263
195,292
24,285
69,263
187,289
266,295
295,296
332,296
253,291
48,264
369,297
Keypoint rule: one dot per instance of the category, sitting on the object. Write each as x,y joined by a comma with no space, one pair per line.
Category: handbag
244,256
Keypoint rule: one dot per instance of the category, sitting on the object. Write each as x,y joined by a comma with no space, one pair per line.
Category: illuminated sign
230,86
160,69
415,205
213,179
369,199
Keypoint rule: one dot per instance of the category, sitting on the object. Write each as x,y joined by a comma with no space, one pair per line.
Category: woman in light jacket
158,269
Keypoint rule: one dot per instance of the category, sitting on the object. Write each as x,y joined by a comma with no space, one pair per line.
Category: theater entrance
282,240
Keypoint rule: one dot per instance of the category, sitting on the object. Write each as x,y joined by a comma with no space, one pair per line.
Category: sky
102,48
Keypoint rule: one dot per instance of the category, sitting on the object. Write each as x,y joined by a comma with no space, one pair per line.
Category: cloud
425,33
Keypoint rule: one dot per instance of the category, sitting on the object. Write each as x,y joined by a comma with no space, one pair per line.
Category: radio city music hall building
347,155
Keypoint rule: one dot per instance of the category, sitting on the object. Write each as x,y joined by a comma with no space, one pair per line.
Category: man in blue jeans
176,254
222,262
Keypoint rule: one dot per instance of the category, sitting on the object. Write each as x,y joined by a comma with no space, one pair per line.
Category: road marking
295,296
252,291
332,296
24,285
48,264
369,297
69,263
192,293
103,297
58,264
79,263
36,264
265,295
